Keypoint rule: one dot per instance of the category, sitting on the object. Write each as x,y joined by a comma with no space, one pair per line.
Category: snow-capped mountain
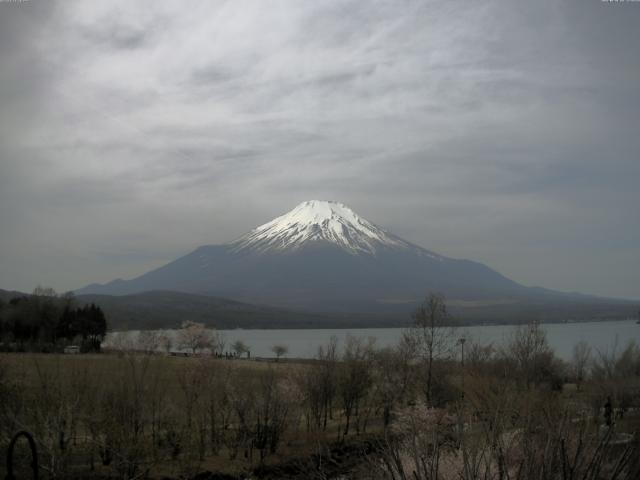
322,256
316,222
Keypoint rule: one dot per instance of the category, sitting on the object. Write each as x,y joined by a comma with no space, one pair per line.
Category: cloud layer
505,132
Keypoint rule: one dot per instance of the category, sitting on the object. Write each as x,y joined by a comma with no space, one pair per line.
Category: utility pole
461,408
462,340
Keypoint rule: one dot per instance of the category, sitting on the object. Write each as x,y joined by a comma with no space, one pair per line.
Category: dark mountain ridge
168,309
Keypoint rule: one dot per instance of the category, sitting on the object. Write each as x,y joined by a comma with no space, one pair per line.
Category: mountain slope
322,256
164,309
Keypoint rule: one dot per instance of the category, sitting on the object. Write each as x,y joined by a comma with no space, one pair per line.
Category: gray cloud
131,132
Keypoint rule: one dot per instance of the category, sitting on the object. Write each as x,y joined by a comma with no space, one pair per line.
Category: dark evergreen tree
45,319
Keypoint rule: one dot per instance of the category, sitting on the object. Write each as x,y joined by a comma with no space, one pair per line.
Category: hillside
165,309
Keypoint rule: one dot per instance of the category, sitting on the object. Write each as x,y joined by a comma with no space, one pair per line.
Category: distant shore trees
45,321
239,348
279,351
194,336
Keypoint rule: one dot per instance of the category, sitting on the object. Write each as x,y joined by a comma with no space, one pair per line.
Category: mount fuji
321,256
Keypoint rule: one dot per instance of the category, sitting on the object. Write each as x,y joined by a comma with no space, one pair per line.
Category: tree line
46,321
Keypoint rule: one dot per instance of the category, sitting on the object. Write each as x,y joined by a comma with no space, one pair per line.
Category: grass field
367,413
164,401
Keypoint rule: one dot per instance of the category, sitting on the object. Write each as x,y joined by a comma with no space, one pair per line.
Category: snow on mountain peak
317,221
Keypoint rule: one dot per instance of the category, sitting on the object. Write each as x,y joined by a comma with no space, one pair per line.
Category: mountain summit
318,221
321,256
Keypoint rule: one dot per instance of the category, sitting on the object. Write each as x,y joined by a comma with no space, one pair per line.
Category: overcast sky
506,132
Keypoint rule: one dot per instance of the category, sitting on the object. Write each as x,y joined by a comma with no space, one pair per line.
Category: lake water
304,343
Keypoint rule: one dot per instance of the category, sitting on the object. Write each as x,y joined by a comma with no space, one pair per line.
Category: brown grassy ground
35,372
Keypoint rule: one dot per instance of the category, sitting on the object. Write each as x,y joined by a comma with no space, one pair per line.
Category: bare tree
279,351
193,378
308,380
41,291
241,390
354,377
318,383
616,374
120,418
217,405
394,377
327,357
432,334
531,354
272,406
580,360
419,447
52,417
239,347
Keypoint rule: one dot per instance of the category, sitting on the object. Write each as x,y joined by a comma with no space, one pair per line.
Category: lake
304,343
